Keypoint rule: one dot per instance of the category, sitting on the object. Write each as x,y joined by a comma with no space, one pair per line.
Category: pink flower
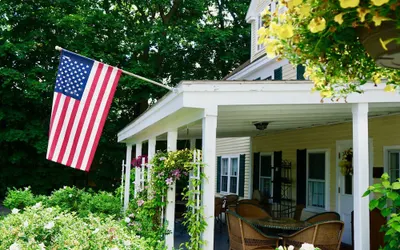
169,181
176,173
140,202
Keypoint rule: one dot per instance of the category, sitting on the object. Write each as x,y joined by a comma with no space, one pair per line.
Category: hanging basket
370,38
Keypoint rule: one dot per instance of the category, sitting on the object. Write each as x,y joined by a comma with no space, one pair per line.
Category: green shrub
51,228
105,203
19,198
387,200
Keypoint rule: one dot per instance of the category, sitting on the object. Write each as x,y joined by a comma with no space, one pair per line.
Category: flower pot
370,38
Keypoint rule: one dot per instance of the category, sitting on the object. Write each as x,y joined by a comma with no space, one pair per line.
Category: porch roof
285,105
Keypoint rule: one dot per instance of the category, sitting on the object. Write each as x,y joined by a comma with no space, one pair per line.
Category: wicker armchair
247,210
324,235
244,236
218,210
327,216
248,201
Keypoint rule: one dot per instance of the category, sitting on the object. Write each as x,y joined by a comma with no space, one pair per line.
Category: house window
316,169
259,25
266,175
230,174
394,164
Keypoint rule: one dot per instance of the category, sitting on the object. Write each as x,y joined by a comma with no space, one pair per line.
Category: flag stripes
76,125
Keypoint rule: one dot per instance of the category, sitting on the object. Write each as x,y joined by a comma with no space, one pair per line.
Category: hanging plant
338,42
346,162
147,208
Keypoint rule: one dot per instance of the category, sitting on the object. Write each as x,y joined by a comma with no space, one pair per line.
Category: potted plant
338,41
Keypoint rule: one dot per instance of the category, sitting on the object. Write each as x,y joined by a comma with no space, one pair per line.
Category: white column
150,155
361,176
193,143
209,158
172,139
138,153
127,175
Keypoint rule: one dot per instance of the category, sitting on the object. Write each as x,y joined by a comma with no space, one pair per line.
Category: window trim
272,170
327,181
386,150
259,22
229,157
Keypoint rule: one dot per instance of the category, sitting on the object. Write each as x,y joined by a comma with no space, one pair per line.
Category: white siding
237,146
289,72
255,53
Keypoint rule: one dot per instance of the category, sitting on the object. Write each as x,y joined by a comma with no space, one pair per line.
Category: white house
310,134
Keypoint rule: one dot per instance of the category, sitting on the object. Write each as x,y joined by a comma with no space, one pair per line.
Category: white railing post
137,172
122,183
127,175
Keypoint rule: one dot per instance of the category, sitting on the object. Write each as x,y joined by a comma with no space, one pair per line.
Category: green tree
163,40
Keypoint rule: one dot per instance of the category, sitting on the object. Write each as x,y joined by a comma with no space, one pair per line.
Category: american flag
82,98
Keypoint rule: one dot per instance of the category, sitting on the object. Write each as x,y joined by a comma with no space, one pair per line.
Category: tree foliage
165,40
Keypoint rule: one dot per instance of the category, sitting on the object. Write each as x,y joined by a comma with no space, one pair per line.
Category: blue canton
73,74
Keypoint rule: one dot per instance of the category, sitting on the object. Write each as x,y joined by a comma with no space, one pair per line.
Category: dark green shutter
219,159
300,72
301,173
278,74
256,171
277,176
242,161
199,144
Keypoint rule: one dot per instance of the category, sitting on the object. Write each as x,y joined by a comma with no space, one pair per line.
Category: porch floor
221,237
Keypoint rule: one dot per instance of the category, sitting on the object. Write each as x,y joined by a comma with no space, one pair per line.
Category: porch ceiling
237,121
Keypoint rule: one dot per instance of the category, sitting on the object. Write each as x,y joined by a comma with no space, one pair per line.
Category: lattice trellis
140,176
195,174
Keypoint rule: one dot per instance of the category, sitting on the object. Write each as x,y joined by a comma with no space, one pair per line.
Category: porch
208,110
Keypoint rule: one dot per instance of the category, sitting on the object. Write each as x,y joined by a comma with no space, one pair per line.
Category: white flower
26,224
37,205
95,231
42,246
64,187
114,248
127,220
280,248
15,246
49,209
307,246
49,225
26,188
70,195
290,247
15,210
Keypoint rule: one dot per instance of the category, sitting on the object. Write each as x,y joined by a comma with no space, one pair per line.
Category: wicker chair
244,236
324,235
218,210
297,211
327,216
248,201
251,211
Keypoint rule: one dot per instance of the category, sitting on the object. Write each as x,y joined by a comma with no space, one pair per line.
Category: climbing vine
146,210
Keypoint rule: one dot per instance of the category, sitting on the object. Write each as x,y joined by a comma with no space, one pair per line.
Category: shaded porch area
210,110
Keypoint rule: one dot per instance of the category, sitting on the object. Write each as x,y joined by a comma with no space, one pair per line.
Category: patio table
281,225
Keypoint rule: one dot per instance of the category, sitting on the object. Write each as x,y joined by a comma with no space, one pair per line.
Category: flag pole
134,75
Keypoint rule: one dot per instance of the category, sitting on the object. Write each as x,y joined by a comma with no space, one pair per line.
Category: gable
256,6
